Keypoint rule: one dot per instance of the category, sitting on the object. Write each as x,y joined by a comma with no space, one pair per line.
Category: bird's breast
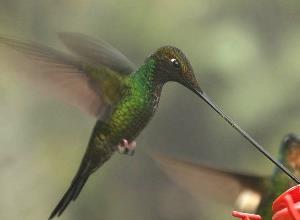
132,114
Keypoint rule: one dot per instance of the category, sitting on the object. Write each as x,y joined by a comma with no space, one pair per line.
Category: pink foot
126,147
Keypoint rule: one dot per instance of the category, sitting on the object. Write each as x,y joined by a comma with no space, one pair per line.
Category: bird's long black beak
206,98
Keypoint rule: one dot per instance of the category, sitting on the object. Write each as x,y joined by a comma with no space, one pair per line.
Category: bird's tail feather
82,175
71,194
89,164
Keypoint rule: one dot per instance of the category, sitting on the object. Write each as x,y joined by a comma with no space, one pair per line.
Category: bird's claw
126,147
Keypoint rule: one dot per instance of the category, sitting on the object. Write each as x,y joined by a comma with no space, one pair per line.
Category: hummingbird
103,82
248,193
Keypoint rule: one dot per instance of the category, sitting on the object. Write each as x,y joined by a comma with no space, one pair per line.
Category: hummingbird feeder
285,207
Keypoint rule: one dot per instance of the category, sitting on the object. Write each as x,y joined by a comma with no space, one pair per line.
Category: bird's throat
147,77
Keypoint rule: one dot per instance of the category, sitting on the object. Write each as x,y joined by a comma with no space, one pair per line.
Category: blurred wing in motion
91,89
97,52
244,192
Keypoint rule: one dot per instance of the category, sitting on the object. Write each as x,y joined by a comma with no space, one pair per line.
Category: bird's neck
147,78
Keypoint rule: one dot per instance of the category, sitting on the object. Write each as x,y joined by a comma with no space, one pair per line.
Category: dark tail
71,194
91,161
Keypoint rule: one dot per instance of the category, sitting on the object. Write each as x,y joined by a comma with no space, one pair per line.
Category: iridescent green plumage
103,82
138,103
139,97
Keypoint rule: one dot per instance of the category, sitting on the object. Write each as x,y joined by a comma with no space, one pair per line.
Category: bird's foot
126,147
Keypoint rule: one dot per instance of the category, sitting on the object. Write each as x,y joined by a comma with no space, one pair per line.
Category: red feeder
285,207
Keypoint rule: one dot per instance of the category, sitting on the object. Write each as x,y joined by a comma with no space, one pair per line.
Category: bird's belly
131,116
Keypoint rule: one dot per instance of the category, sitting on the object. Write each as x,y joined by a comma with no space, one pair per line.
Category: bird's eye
175,63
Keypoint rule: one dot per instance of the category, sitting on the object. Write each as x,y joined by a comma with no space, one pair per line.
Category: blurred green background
246,54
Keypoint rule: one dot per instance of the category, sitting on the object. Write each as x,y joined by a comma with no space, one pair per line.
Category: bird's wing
97,52
237,190
91,89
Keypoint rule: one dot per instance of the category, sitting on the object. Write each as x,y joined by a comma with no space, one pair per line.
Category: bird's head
290,151
173,65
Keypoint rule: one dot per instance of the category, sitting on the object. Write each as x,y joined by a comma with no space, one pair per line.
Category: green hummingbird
249,193
103,82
